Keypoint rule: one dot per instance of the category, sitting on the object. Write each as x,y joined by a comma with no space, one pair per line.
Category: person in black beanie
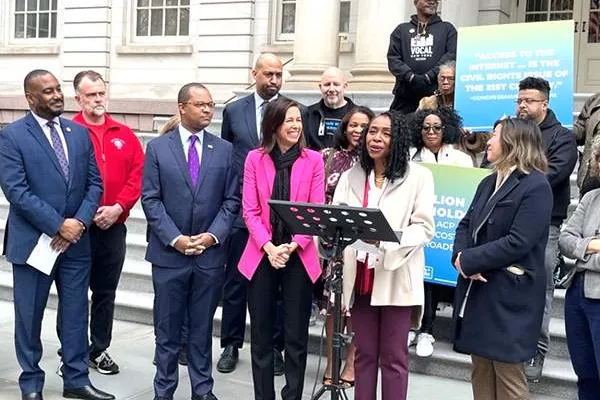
417,49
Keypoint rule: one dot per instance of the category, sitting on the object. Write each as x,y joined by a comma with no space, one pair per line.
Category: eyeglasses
433,128
446,78
528,101
210,105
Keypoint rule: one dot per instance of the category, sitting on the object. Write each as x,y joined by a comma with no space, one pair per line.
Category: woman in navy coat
499,253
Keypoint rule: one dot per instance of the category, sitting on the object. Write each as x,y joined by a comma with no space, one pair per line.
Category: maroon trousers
380,335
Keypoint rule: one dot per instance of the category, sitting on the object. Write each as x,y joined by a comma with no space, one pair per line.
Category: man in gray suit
190,195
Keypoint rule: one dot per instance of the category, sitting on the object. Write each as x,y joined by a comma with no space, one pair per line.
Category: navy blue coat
39,195
173,206
502,318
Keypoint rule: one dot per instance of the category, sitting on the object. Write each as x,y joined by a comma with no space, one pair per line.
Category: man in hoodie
324,117
417,49
561,151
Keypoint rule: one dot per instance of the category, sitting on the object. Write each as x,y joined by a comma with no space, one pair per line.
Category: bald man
324,117
241,126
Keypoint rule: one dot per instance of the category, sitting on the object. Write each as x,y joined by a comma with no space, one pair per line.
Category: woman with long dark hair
275,262
385,292
338,159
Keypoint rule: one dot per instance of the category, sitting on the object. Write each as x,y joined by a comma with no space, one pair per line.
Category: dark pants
179,291
108,255
582,320
380,335
295,288
433,295
233,326
31,289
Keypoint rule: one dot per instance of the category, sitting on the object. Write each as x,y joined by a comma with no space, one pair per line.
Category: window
162,18
548,10
286,20
35,19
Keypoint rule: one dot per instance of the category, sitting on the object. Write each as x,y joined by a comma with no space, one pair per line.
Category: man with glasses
561,150
190,195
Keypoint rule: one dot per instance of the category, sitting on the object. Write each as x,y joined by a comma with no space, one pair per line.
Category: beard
98,111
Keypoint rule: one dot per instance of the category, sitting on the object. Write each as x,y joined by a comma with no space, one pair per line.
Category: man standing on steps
242,127
120,160
561,151
416,51
50,178
324,117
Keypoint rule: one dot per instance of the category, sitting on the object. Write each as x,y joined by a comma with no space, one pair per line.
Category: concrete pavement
132,349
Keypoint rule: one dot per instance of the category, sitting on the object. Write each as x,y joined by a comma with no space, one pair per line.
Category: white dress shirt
46,129
258,102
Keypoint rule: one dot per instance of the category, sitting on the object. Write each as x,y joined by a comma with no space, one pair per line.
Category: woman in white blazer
386,292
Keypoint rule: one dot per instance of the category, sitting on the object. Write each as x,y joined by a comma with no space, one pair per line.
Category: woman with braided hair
385,292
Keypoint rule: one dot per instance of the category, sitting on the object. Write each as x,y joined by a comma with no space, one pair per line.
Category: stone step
558,377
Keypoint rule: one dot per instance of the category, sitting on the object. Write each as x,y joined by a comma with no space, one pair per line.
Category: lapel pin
210,146
68,129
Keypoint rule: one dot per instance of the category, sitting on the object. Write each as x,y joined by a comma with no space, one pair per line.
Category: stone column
460,12
375,22
316,41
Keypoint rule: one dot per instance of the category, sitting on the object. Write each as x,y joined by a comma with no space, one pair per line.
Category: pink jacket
307,184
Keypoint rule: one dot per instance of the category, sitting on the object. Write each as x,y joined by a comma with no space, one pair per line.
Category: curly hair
397,164
451,121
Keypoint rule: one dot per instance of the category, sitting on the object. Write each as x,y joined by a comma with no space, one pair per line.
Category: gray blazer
581,228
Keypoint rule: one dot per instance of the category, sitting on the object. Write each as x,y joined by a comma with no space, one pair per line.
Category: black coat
502,317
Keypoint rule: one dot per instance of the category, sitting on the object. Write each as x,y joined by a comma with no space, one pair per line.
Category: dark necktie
262,114
59,149
193,160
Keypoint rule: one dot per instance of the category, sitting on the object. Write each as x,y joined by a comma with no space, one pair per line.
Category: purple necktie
193,160
59,149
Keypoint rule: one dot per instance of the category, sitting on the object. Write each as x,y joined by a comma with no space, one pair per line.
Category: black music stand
340,225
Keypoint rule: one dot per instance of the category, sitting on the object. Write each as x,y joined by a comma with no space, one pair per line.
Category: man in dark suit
241,127
49,175
190,195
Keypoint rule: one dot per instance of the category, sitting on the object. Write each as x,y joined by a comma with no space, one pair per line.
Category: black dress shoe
207,396
228,360
32,396
278,367
87,392
162,398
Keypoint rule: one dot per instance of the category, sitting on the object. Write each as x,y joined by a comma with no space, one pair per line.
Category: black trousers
233,326
295,288
433,295
108,255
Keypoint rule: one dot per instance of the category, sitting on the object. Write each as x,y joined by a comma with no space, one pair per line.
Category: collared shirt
501,178
258,101
46,129
185,136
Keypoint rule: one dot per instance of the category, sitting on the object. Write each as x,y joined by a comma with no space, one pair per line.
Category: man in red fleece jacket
120,160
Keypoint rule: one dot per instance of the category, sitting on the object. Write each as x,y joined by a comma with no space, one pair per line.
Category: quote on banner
492,59
454,191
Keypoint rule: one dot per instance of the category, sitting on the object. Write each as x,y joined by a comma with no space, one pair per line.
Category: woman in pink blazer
276,263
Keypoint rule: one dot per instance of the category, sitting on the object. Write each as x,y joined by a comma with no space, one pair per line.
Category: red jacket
120,159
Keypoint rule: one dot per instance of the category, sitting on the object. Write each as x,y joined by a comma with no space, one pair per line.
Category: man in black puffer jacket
561,151
417,49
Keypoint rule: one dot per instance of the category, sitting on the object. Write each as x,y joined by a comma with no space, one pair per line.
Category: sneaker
425,345
533,368
59,369
104,364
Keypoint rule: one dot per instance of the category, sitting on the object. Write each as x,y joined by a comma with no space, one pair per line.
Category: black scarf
281,189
